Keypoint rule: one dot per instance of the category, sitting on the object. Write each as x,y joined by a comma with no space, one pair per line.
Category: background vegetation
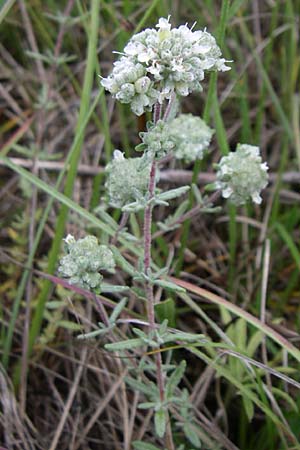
57,132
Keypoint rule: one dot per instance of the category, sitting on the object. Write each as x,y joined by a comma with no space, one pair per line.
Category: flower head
167,60
83,261
242,175
127,179
191,137
156,140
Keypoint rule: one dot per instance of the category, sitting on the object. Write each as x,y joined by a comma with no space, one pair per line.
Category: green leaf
169,285
249,407
149,389
69,325
285,396
112,289
191,435
133,207
55,304
166,310
287,238
254,342
139,445
118,309
186,337
234,7
175,379
160,419
172,193
106,217
124,345
146,405
140,147
122,262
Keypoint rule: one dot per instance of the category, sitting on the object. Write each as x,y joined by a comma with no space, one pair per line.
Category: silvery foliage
242,175
157,63
127,180
83,261
156,140
191,137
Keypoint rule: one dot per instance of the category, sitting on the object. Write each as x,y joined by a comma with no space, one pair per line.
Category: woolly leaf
173,193
124,345
191,435
160,420
169,285
175,379
117,311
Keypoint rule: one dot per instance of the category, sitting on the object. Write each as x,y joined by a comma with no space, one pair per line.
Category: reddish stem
149,287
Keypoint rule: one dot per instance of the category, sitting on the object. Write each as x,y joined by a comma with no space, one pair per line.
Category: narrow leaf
166,310
175,379
191,435
122,262
169,285
146,405
249,407
95,333
69,325
124,345
112,289
118,309
160,420
149,389
173,193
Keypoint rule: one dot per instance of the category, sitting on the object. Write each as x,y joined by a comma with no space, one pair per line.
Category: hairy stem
149,287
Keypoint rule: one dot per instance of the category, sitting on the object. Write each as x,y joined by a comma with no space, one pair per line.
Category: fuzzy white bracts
242,175
156,63
83,261
127,179
191,137
156,141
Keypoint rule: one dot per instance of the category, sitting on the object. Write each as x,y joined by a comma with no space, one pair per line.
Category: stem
149,287
147,244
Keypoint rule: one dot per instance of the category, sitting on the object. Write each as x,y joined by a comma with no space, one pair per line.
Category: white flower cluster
191,137
157,140
127,180
157,63
84,259
129,84
242,175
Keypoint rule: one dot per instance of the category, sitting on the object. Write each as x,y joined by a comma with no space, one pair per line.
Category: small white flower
69,239
119,156
164,24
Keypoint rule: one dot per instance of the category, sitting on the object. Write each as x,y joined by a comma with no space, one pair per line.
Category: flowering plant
157,67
